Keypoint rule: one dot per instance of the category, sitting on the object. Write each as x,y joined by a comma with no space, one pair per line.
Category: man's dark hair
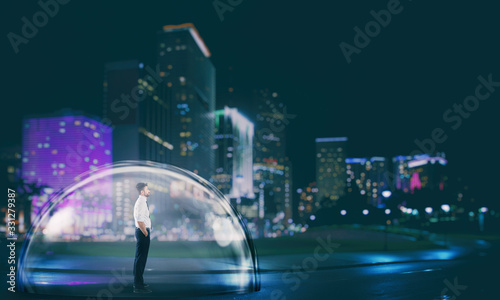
140,186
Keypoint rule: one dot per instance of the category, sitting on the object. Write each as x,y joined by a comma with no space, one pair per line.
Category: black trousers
141,256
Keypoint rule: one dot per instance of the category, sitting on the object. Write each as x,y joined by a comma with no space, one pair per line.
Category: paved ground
465,271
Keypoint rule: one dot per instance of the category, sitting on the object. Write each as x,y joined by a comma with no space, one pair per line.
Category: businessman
142,235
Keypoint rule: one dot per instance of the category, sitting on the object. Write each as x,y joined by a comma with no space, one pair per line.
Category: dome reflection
83,243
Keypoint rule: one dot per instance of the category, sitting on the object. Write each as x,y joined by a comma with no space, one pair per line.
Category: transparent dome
83,240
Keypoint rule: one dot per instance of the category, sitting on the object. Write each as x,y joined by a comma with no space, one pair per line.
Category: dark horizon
394,91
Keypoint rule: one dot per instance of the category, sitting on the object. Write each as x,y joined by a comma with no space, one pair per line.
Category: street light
445,208
365,212
387,211
386,194
343,212
428,210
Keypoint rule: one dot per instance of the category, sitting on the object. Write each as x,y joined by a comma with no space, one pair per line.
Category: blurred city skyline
377,101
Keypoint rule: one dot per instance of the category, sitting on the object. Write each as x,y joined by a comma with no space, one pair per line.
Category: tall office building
270,160
189,91
307,203
331,175
140,129
57,148
162,113
357,174
234,154
369,176
377,181
138,115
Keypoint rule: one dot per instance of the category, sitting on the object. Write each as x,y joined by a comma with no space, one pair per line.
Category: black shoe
144,285
142,291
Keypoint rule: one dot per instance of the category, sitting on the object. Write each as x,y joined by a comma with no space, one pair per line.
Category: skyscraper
357,174
270,160
377,181
369,176
59,147
331,176
189,91
308,203
138,115
234,153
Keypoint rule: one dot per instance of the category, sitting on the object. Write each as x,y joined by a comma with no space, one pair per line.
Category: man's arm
142,226
141,217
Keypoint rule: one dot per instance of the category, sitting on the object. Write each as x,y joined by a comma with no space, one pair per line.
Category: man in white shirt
142,235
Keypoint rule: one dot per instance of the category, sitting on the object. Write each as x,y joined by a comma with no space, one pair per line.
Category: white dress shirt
141,212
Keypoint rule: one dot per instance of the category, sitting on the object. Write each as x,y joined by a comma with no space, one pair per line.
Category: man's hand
142,226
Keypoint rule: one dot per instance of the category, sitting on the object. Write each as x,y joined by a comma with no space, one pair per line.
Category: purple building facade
56,149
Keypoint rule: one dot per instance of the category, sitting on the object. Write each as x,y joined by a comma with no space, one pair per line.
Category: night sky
394,91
